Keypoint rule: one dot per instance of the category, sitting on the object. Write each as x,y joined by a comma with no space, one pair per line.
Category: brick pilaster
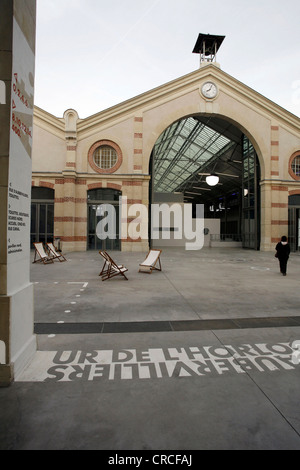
138,145
274,151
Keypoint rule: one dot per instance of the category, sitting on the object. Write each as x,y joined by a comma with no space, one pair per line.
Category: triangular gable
173,89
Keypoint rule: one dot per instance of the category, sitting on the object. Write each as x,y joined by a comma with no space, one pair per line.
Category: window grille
105,157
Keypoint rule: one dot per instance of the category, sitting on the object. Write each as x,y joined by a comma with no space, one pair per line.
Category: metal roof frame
196,145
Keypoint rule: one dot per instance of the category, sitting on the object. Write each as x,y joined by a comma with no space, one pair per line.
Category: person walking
283,253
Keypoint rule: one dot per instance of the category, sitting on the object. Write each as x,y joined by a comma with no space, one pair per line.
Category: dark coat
283,251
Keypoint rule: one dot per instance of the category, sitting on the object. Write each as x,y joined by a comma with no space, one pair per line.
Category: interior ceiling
199,144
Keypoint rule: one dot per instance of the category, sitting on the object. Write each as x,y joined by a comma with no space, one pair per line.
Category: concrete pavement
203,355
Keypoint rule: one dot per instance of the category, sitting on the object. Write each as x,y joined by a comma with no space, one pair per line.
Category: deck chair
54,253
110,268
151,261
40,254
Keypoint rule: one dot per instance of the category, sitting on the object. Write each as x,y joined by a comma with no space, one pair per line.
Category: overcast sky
94,54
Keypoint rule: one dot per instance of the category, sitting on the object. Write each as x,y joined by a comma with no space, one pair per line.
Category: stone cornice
187,84
48,122
168,91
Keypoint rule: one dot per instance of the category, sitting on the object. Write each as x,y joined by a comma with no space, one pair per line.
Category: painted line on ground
84,284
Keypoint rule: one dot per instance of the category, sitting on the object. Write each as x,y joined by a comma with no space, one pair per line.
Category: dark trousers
283,265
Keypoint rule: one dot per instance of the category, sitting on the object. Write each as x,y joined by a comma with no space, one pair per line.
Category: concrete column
17,61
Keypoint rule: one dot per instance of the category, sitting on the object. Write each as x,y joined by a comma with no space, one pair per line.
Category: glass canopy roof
195,145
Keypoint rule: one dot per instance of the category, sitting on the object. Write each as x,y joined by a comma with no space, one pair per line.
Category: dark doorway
100,201
294,222
250,197
42,215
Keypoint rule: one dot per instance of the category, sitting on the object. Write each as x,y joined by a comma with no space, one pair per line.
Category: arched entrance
103,205
200,145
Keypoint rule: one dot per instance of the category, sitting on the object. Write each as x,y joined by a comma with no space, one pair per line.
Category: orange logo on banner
21,121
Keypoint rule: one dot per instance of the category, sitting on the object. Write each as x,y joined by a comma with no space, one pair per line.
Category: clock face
209,90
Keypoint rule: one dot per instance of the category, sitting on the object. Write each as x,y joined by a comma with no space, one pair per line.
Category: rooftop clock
209,90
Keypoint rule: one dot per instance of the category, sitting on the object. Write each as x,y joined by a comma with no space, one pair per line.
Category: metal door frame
252,242
294,227
98,202
38,203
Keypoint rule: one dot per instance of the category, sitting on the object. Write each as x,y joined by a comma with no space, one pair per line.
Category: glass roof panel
181,151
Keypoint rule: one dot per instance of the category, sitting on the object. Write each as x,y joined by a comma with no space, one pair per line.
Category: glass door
103,220
103,227
250,194
42,222
294,228
42,215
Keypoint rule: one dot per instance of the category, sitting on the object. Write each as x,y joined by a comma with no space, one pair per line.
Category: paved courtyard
202,355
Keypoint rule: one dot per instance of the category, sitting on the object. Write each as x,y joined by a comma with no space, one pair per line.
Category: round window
294,166
105,157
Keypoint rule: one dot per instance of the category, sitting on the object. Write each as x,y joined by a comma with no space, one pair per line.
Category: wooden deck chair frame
148,265
54,253
110,268
41,253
